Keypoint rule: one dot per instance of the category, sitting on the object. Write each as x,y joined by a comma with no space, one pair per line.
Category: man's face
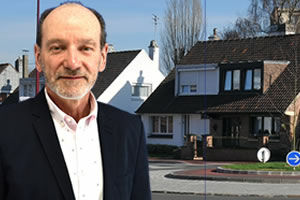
70,54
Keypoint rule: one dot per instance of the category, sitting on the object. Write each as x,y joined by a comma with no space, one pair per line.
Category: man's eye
55,49
87,49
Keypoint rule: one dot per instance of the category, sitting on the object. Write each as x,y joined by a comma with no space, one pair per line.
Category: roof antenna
155,19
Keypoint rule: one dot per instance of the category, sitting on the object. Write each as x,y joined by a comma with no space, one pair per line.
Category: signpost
293,158
263,154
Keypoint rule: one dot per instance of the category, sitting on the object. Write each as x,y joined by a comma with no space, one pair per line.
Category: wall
140,70
199,126
9,78
29,85
196,75
272,69
177,138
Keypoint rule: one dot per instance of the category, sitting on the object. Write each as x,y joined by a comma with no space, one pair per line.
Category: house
129,78
127,81
238,95
9,80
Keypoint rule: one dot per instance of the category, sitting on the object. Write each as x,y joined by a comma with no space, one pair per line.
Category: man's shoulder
15,108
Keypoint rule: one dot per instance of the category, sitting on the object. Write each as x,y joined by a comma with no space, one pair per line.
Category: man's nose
72,59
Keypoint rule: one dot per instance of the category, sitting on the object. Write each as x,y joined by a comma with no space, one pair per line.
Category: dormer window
241,77
253,82
257,79
232,80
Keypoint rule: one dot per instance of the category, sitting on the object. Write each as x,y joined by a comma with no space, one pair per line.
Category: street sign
263,154
293,158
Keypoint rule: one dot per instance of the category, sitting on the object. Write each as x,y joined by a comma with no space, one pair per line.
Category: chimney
25,66
154,52
214,36
18,66
111,48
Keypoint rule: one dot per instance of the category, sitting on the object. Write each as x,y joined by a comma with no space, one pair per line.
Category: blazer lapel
45,131
105,124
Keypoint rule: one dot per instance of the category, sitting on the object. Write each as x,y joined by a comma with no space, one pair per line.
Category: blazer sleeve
1,181
141,184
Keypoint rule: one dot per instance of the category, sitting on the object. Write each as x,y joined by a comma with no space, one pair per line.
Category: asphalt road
165,188
162,196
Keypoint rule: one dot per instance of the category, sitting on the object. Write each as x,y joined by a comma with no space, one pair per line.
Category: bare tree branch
181,30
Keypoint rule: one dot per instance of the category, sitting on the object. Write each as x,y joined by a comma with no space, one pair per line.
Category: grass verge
269,166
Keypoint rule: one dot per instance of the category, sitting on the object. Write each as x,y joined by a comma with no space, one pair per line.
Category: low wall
213,154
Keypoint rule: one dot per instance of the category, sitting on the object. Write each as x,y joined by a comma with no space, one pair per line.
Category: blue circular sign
293,158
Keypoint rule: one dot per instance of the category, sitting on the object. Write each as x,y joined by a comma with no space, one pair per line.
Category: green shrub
164,151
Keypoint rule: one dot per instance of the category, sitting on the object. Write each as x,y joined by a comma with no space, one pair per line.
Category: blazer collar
106,130
45,130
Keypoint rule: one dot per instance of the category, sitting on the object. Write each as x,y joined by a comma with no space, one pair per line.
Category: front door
231,132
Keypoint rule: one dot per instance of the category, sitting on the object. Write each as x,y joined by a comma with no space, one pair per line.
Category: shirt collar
62,117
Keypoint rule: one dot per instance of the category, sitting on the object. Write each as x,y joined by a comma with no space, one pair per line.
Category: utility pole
37,85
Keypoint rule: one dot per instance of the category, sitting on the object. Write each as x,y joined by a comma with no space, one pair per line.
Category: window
257,79
265,126
141,90
236,79
248,80
162,124
228,78
187,89
232,80
25,92
155,123
193,88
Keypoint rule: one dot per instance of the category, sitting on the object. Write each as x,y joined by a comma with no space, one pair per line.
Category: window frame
169,129
272,133
243,69
148,86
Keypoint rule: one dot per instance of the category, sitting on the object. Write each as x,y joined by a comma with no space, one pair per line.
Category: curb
280,173
257,179
221,194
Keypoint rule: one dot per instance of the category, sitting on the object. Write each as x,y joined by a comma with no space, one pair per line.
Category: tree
262,14
181,30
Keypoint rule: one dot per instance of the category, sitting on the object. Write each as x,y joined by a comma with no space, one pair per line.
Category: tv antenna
155,20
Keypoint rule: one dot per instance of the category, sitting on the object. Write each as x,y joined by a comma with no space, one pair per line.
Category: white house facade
9,80
172,129
134,82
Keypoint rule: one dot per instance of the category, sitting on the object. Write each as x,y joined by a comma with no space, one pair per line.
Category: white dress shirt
80,145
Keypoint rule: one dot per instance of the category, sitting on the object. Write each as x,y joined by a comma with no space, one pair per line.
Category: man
62,144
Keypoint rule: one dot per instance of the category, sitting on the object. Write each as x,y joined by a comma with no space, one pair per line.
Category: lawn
269,166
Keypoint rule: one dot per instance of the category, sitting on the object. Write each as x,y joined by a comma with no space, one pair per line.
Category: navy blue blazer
32,165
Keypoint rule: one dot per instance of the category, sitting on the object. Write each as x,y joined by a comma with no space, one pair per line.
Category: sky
129,23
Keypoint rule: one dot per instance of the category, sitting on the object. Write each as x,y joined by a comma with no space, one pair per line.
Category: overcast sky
129,22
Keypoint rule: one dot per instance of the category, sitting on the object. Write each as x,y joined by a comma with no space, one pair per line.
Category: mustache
70,72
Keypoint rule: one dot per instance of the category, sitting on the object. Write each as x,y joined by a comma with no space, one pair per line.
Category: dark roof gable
116,63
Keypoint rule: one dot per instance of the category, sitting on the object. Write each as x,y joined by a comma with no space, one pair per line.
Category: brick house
240,94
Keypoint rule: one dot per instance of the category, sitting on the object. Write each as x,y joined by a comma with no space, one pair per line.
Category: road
162,196
215,189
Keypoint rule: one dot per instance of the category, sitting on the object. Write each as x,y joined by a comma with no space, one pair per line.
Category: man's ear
37,54
103,54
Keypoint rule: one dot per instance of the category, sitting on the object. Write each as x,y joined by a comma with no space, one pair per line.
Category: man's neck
74,108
